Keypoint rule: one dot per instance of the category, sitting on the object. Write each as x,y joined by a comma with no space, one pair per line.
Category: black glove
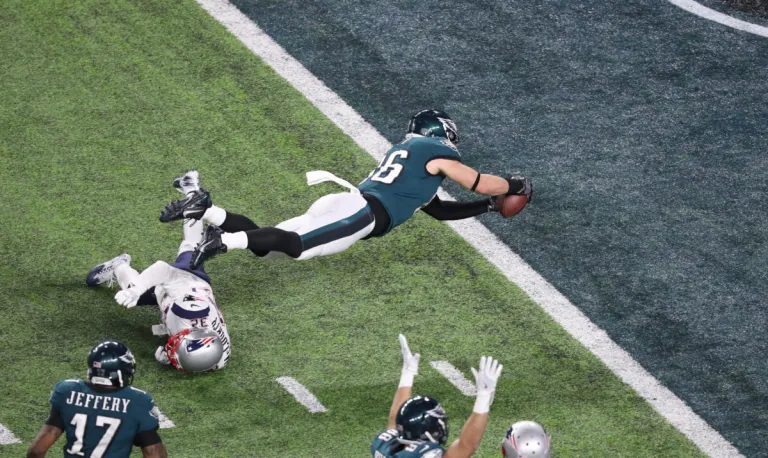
520,186
493,203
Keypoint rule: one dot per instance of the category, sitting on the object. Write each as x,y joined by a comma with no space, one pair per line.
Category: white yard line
708,13
7,437
455,376
165,422
302,394
510,264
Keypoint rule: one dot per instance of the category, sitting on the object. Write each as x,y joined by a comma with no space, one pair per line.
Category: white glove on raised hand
410,363
127,297
161,357
486,378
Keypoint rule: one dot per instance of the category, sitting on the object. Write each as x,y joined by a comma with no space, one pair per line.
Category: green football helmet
434,123
111,363
422,419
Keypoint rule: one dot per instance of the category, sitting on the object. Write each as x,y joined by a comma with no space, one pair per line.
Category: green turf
103,103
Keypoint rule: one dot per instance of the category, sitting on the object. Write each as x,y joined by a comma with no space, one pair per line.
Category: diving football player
405,181
103,416
199,340
418,425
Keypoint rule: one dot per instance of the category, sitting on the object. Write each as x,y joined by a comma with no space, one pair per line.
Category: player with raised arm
199,340
103,416
418,425
526,439
405,181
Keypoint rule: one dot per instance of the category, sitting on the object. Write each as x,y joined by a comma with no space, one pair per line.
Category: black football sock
262,241
236,223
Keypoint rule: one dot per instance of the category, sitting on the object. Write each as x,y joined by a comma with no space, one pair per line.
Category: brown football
511,205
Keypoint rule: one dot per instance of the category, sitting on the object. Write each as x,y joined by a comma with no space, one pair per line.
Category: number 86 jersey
401,181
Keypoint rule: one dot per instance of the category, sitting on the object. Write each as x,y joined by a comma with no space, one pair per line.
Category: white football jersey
186,302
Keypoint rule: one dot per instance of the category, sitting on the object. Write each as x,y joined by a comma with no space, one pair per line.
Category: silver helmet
194,350
526,439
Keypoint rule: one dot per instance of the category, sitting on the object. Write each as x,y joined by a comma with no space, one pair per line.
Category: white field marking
707,13
500,255
455,376
7,437
165,422
302,394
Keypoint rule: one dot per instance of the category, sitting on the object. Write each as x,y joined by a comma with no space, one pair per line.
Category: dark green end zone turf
103,103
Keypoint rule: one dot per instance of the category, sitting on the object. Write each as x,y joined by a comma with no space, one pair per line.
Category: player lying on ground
198,340
418,425
104,416
404,182
526,439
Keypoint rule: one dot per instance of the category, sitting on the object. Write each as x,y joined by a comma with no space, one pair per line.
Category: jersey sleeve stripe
189,314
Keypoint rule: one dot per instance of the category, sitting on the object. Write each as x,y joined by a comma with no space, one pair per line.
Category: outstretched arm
404,390
469,178
44,441
469,439
445,210
156,274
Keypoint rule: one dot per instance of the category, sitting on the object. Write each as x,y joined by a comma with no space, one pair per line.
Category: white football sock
126,275
193,234
215,215
235,240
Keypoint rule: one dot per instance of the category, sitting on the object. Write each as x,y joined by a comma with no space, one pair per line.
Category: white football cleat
105,272
188,182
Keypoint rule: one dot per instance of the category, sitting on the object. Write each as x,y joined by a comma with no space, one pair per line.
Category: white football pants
331,225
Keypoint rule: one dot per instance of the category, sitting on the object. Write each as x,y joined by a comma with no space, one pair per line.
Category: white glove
486,378
159,330
161,357
410,363
127,297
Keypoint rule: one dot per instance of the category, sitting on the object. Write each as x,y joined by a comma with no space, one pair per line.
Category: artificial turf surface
103,103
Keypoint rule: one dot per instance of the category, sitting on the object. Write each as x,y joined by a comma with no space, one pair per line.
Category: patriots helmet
421,418
434,123
526,439
111,363
194,350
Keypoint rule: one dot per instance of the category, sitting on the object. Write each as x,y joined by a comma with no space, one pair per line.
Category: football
511,205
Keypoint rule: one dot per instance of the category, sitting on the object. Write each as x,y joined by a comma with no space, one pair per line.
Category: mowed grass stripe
103,104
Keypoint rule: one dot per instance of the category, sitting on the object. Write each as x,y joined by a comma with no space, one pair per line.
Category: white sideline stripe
511,265
302,394
455,376
708,13
165,422
7,437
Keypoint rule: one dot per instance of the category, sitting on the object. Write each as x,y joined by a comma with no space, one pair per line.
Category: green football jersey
386,445
102,423
401,181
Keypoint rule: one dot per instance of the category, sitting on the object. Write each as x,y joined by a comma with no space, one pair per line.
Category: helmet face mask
434,123
526,439
194,350
111,363
421,418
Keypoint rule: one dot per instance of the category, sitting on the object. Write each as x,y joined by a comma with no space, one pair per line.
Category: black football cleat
191,207
210,246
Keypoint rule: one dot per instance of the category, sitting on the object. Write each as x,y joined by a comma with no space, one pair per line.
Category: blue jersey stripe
189,314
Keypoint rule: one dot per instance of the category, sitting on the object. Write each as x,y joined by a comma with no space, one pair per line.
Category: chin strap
173,344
